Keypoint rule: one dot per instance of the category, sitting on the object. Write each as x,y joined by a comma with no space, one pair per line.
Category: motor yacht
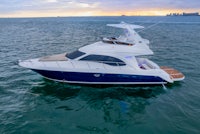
113,60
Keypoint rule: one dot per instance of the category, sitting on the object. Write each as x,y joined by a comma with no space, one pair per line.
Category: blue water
32,104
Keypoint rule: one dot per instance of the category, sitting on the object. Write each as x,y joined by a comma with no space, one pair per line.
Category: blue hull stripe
97,77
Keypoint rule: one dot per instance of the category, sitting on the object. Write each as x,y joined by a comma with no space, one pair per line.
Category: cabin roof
102,47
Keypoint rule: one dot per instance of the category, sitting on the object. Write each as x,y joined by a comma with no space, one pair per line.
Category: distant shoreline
83,16
80,17
168,15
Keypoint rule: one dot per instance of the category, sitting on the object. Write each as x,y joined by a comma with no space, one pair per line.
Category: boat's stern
174,74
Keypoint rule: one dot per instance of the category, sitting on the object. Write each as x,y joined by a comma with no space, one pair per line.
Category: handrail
114,64
117,63
104,63
88,64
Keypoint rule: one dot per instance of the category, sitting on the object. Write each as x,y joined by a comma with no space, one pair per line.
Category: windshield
74,55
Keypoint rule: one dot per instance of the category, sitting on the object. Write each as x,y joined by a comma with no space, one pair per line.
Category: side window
104,59
74,55
91,58
113,61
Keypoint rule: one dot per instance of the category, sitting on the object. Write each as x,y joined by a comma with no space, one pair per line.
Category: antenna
149,26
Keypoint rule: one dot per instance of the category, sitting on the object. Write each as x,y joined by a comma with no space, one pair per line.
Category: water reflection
116,105
61,91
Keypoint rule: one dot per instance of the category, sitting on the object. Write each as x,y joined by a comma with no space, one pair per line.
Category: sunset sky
51,8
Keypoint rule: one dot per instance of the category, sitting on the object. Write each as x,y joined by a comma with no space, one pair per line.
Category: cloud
76,4
51,1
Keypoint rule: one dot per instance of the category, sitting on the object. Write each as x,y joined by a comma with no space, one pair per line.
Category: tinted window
74,55
104,59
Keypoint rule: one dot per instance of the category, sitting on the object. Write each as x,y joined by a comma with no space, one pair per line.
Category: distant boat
110,61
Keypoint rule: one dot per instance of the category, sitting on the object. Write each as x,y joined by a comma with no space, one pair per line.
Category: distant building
191,14
183,14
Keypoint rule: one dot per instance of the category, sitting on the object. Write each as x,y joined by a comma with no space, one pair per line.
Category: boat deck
175,74
57,57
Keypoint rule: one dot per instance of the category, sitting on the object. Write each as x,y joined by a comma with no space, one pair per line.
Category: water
32,104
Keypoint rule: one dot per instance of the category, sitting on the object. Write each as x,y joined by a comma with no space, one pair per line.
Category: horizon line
84,16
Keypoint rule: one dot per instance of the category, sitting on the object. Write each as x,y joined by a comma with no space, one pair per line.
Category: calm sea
32,104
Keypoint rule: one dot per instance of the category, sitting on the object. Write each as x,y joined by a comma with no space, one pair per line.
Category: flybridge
131,36
131,43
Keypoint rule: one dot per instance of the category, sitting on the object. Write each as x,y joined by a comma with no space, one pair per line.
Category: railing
147,64
105,64
151,64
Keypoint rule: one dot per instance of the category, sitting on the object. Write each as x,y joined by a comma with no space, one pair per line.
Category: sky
53,8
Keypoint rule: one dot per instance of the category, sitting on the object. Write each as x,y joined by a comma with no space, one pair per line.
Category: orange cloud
51,8
83,10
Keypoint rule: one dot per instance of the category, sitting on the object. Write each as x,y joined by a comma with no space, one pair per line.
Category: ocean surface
31,104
